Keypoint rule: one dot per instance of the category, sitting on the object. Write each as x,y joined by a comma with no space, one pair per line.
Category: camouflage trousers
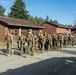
60,44
18,44
21,48
30,47
9,50
70,42
65,43
42,47
73,42
47,46
55,45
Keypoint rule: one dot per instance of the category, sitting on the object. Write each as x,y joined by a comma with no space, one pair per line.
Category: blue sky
62,10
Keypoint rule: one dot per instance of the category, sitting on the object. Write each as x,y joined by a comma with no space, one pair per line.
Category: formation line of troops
34,43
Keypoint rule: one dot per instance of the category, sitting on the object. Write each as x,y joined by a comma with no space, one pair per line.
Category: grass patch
2,44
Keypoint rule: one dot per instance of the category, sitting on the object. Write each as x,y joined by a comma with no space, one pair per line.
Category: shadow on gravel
53,66
4,51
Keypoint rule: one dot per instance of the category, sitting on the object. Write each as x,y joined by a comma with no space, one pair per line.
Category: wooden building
52,28
73,29
16,26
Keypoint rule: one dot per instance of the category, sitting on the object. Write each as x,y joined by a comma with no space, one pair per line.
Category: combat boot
12,52
27,56
42,51
8,55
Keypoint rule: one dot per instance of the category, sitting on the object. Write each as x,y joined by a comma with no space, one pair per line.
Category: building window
9,30
67,29
15,32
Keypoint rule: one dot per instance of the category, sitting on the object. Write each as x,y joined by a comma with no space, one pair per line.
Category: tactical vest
8,38
42,39
22,39
29,37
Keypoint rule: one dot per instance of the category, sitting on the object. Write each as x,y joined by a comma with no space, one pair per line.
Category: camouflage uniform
49,42
18,42
22,42
25,45
12,39
39,41
36,43
51,46
8,43
65,41
54,42
42,41
69,40
46,43
60,41
73,40
30,41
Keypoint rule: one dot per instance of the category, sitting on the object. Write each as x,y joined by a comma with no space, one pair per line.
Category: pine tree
36,21
2,10
18,10
47,19
30,18
55,21
50,20
41,21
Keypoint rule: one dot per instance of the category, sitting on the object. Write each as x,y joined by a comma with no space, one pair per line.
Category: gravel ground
61,62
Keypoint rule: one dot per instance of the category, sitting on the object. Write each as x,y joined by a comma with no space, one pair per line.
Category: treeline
40,20
19,11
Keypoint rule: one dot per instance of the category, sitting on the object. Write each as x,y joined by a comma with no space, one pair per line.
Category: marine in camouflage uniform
36,39
22,42
73,40
25,45
18,43
39,41
69,40
8,43
42,41
65,39
12,38
30,41
51,46
54,42
46,41
49,40
60,40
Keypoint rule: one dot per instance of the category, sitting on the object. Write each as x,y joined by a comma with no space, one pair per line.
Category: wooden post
19,31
